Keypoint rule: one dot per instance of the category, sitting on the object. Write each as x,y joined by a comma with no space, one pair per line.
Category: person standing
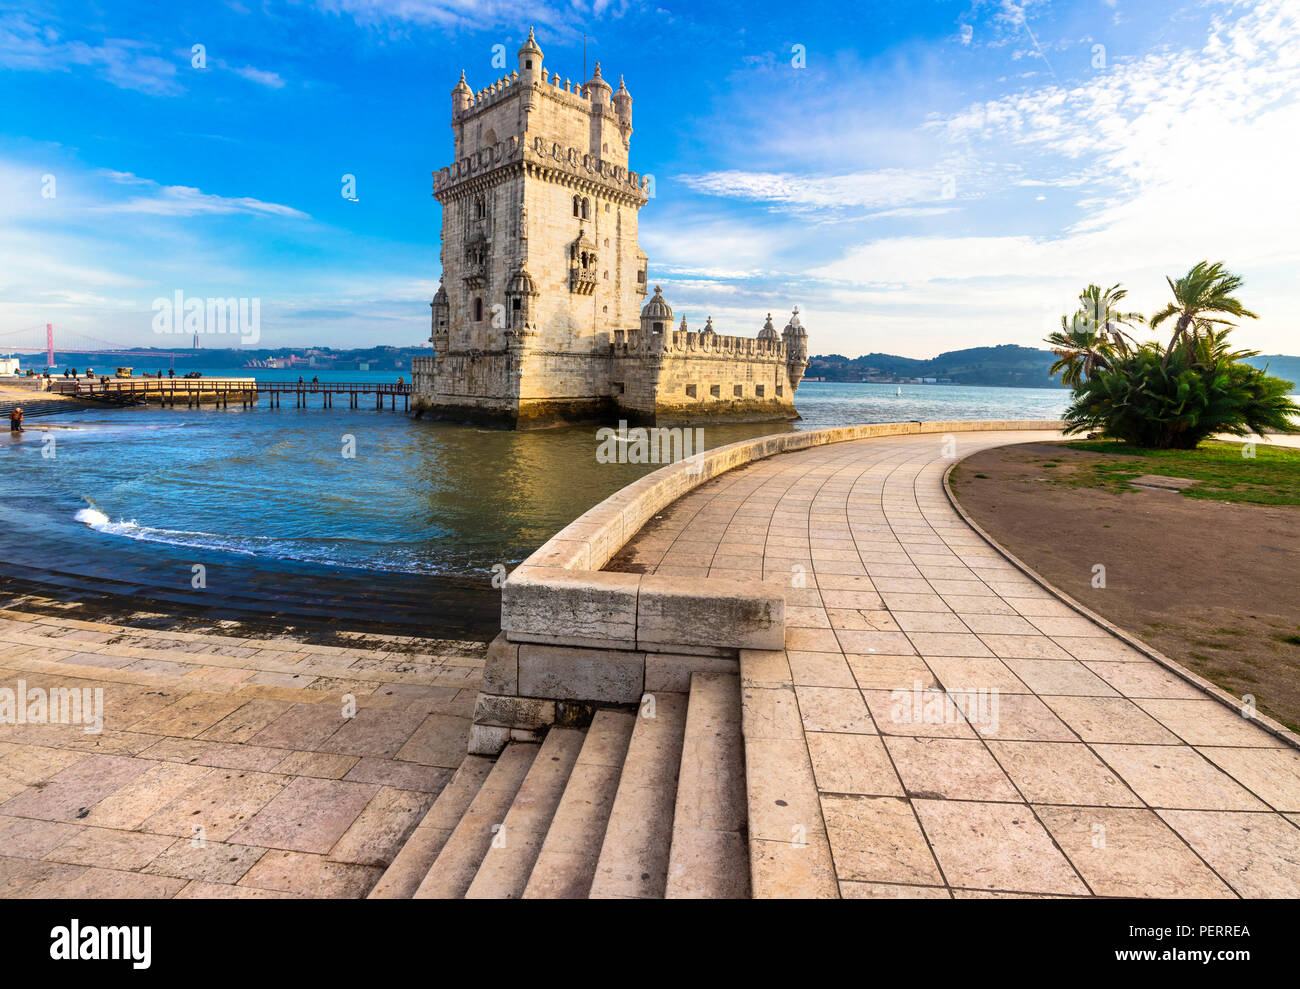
16,419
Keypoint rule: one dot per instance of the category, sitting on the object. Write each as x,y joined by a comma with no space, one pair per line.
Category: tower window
715,391
577,206
515,303
738,391
585,204
690,391
758,391
478,310
528,63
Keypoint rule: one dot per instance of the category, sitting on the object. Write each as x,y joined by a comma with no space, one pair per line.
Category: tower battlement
539,316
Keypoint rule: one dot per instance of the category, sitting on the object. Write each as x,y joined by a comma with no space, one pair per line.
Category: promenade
938,724
1067,764
228,765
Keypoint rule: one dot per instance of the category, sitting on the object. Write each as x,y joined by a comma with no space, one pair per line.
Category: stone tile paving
1070,765
226,765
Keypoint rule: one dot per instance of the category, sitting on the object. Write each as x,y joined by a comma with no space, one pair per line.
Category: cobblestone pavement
227,765
966,732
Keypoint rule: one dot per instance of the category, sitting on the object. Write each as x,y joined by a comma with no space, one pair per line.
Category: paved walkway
1067,764
227,765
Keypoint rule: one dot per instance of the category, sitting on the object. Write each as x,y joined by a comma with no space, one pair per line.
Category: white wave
100,522
93,517
266,547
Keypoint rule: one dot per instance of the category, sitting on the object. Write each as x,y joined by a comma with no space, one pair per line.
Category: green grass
1271,477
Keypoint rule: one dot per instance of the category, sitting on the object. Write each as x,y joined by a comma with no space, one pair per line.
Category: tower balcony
475,274
582,281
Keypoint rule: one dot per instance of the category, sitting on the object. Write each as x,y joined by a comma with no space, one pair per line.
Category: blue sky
935,175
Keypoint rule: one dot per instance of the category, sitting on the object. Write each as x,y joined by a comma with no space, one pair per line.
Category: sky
917,177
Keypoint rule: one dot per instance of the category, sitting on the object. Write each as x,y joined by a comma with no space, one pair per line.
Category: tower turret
796,348
461,96
657,314
441,315
623,106
530,61
521,293
597,88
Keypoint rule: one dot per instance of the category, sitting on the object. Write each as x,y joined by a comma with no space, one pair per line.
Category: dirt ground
1214,586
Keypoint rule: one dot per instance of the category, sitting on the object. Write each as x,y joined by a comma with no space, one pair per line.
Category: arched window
480,208
478,310
585,204
577,205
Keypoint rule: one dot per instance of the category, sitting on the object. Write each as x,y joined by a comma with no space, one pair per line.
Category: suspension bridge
39,338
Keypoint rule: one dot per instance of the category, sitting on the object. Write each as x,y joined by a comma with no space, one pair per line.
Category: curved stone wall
575,637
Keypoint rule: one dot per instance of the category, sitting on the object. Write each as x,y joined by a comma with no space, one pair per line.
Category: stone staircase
642,804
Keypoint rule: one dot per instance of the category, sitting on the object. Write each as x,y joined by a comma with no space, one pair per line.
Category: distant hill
1008,366
1280,366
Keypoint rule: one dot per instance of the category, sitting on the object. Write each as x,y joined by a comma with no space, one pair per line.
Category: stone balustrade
694,342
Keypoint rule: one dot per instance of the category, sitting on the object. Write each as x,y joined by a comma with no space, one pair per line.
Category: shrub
1176,398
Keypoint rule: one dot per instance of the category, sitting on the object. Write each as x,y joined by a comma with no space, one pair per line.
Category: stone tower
542,314
540,258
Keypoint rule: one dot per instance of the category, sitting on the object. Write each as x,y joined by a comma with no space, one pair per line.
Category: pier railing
221,391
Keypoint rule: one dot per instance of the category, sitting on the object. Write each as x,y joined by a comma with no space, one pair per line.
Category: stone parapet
581,637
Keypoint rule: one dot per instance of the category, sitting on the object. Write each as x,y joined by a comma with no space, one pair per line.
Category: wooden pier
222,392
327,390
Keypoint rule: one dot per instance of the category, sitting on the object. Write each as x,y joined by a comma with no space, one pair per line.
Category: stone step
567,861
403,876
633,861
789,852
709,857
458,861
506,866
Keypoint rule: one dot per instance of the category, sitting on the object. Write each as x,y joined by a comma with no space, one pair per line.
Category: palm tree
1091,338
1101,307
1204,290
1080,348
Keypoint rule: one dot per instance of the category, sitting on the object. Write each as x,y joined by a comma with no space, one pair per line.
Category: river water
340,511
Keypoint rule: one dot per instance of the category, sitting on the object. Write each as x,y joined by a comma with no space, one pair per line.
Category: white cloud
271,80
124,63
180,200
870,189
1158,162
